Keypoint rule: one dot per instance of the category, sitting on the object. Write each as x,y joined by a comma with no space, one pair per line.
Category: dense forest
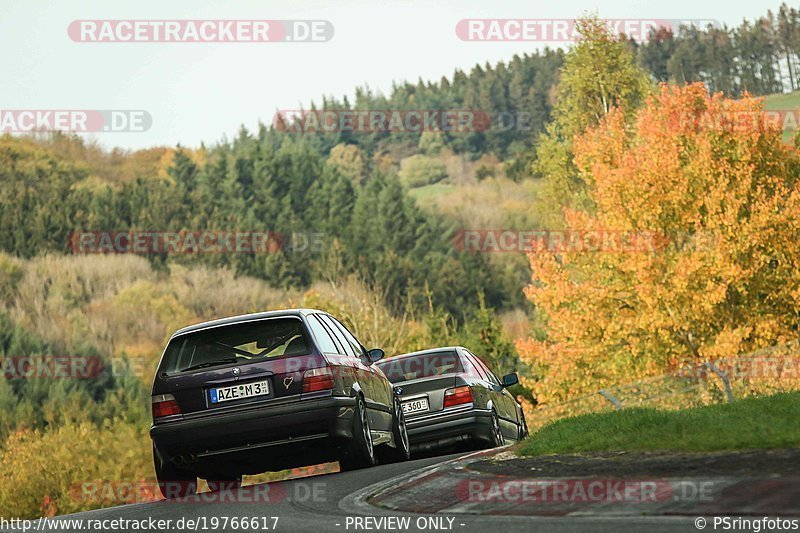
759,56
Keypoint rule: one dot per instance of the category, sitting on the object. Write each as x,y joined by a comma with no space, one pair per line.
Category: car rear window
421,366
237,343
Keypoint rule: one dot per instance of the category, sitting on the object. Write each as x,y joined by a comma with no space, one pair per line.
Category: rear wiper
210,363
244,353
281,340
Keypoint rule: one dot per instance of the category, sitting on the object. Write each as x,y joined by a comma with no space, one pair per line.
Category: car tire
402,449
359,453
172,481
497,433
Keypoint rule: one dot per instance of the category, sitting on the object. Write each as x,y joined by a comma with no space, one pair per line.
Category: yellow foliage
710,183
57,472
365,314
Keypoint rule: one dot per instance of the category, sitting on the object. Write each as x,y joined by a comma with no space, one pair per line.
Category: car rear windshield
237,343
421,366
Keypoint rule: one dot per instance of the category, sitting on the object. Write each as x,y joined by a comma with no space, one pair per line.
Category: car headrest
296,347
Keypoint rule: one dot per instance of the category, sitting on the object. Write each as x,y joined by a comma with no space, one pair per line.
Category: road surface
327,503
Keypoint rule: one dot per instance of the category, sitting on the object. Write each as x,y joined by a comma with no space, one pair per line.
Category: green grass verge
764,422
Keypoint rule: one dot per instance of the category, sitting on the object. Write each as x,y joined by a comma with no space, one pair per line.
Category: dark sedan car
450,396
269,391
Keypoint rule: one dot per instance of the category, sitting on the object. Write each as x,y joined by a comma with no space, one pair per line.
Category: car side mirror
510,379
375,355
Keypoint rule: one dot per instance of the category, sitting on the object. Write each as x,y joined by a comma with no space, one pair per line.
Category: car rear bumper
450,426
288,434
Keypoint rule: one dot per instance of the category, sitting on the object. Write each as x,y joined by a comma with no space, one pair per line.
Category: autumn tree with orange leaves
709,178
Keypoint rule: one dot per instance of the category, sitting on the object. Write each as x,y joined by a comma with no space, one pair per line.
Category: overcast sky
201,92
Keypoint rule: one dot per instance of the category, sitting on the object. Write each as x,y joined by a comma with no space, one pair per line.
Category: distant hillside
387,203
364,224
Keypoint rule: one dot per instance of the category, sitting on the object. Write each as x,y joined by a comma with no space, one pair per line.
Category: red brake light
317,379
457,396
165,405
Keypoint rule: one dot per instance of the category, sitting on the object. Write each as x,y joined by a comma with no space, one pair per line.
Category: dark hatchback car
449,396
269,391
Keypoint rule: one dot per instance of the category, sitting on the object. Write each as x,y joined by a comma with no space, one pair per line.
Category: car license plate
237,392
415,406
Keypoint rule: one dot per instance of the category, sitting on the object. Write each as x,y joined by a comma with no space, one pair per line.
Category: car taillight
165,405
317,379
457,396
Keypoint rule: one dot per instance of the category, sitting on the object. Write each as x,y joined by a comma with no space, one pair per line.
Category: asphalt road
325,503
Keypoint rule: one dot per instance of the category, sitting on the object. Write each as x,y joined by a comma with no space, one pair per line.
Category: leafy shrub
484,172
57,472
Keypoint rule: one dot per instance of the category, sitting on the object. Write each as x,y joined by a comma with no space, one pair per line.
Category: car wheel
360,453
172,481
497,434
224,484
402,448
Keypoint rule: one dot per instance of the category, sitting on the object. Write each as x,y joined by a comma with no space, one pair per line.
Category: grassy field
785,103
428,193
765,422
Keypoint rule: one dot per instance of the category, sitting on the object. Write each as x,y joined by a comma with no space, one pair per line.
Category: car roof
421,352
300,312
